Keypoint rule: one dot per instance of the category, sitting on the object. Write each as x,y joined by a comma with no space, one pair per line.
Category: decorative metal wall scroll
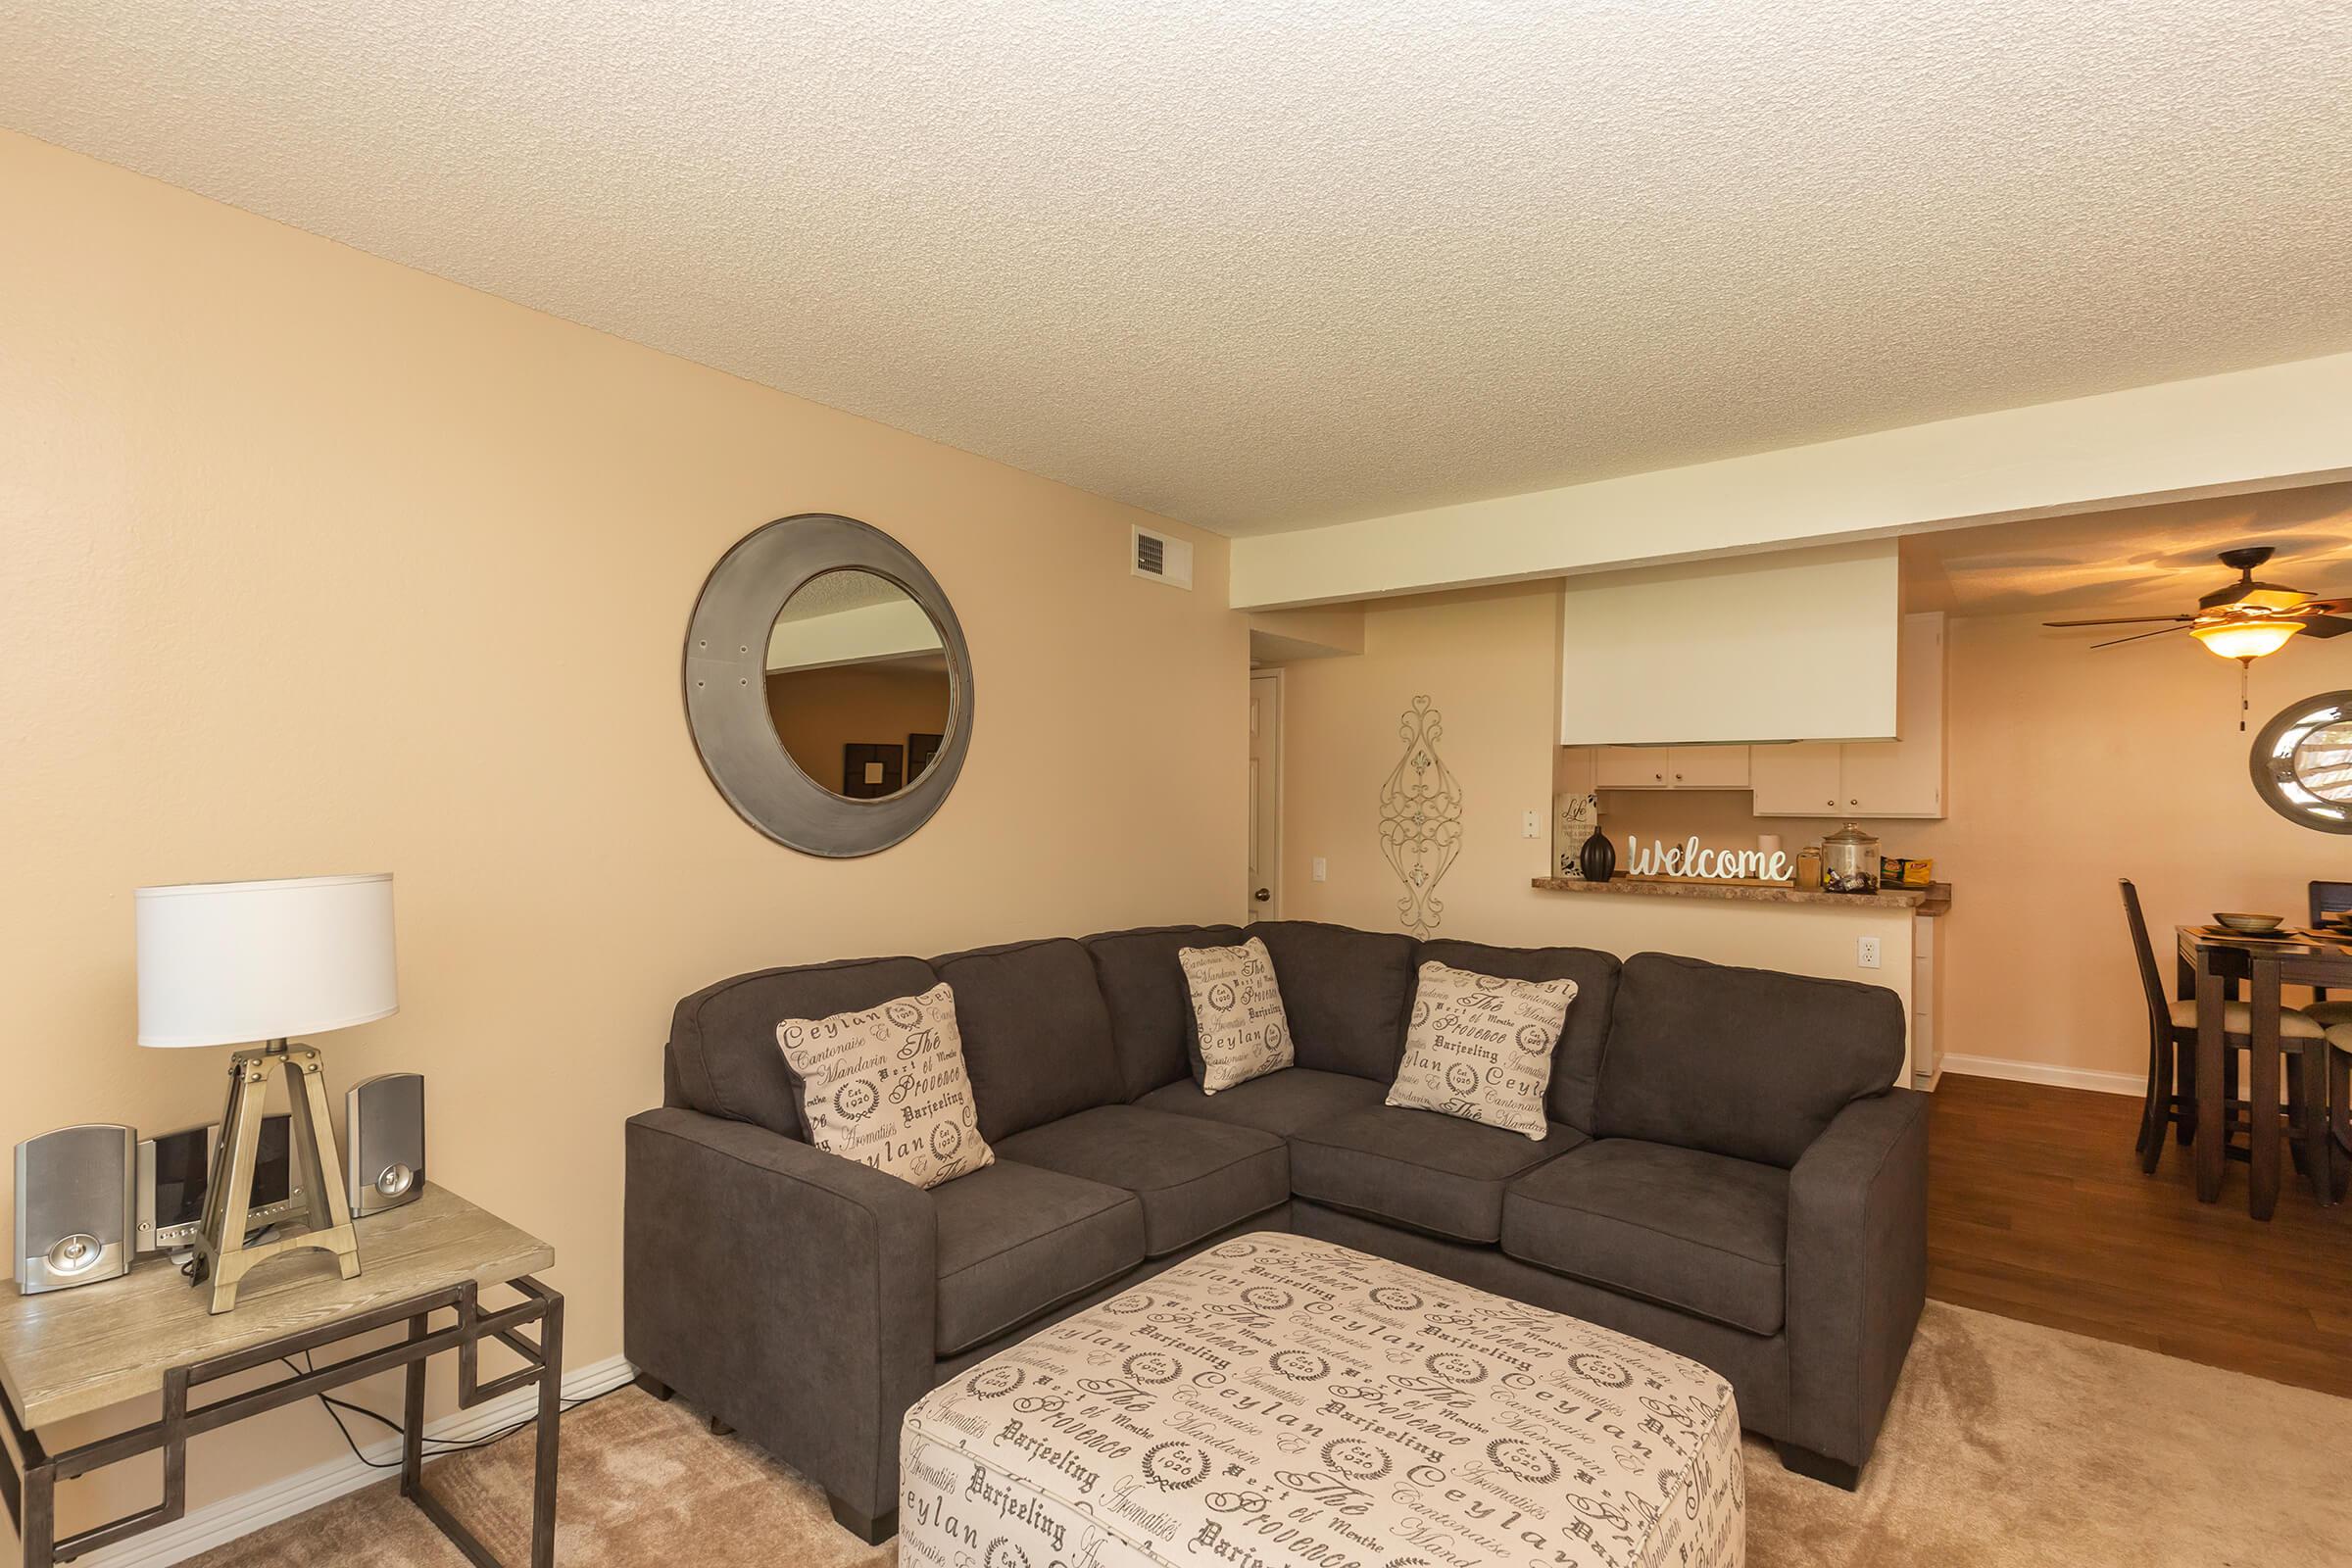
1420,819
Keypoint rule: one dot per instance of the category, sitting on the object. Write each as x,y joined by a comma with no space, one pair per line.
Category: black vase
1597,859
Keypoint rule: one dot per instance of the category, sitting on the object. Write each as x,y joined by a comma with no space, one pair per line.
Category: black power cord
434,1448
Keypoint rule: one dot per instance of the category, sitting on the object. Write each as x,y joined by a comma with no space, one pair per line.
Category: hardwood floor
2037,1210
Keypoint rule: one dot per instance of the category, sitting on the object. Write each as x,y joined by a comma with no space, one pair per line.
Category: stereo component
384,1128
175,1175
74,1206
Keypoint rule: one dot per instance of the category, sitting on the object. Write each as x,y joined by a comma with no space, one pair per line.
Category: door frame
1281,692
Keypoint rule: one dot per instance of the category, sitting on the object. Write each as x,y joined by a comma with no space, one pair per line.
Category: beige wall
2069,769
318,563
1489,661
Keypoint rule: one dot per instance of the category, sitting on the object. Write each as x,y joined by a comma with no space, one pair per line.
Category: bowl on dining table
2237,920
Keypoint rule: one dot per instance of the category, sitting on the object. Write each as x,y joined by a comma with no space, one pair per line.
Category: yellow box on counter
1894,872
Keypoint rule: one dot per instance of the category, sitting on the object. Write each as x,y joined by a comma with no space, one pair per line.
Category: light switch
1531,825
1322,868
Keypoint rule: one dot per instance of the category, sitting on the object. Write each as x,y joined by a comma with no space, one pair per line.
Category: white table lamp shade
225,964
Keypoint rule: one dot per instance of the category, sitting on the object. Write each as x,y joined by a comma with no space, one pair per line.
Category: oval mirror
2302,762
829,685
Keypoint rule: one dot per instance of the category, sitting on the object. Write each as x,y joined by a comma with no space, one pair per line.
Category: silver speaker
74,1207
384,1120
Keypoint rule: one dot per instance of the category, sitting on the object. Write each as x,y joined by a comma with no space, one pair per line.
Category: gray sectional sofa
1728,1174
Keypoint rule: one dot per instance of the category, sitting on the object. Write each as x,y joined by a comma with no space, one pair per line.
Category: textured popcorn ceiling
1260,266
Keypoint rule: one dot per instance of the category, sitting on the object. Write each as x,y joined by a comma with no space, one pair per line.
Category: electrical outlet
1531,825
1866,952
1322,868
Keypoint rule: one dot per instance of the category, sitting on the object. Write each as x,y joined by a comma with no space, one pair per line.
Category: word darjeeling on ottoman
1282,1400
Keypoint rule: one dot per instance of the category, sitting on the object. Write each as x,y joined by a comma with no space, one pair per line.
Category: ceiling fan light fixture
2245,639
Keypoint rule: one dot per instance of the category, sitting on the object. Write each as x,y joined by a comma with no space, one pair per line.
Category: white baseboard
2037,1072
209,1526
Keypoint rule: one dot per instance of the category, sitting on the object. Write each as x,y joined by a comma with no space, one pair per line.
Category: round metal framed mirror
829,685
2302,762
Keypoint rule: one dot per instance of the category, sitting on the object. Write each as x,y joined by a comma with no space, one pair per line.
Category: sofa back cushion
1143,986
723,1057
1575,1063
1746,1062
1346,992
1036,1033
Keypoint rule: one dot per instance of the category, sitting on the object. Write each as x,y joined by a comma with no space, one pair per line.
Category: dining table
2213,964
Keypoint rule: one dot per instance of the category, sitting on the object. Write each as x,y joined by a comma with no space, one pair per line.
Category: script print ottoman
1281,1402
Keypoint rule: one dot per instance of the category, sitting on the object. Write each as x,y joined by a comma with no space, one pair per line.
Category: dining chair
2328,898
2171,1095
2339,1109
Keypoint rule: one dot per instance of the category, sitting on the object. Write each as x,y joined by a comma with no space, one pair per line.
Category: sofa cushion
1417,1168
1346,993
1281,1103
1479,1047
1193,1176
723,1039
1015,1241
1036,1033
1576,1065
1679,1227
1143,986
886,1086
1238,1029
1746,1062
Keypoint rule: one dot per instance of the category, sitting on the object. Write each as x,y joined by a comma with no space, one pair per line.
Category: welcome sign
1687,859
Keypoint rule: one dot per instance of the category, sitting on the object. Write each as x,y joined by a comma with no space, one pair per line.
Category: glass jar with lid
1849,860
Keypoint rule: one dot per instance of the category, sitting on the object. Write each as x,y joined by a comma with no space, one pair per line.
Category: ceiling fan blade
2138,636
2126,620
2327,626
2320,606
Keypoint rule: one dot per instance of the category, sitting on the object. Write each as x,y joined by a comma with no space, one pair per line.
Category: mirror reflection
2323,761
858,684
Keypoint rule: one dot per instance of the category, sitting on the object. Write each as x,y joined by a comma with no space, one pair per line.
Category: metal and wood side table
71,1353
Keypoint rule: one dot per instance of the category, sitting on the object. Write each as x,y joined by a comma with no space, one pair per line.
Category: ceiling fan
2246,619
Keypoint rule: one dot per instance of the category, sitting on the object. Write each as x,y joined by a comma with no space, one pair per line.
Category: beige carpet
2009,1447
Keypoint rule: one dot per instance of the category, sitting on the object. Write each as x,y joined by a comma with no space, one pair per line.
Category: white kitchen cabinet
1904,777
1574,771
1630,767
1706,767
1795,645
1668,767
1801,780
1901,777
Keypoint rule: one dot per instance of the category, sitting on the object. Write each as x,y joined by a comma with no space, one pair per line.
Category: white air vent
1162,559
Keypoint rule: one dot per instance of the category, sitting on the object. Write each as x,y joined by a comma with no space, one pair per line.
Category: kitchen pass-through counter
1886,938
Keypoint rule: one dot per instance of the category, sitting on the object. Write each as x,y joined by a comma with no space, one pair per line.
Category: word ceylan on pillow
1480,1048
1687,858
1239,1031
887,1088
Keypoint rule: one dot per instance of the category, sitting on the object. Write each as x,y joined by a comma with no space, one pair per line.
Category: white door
1264,894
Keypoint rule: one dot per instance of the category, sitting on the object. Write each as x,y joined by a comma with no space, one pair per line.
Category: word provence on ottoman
1281,1402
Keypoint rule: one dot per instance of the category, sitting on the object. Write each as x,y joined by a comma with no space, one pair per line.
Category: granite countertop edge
1931,901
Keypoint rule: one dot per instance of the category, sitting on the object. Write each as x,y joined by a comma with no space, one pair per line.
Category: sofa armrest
786,1291
1857,1270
